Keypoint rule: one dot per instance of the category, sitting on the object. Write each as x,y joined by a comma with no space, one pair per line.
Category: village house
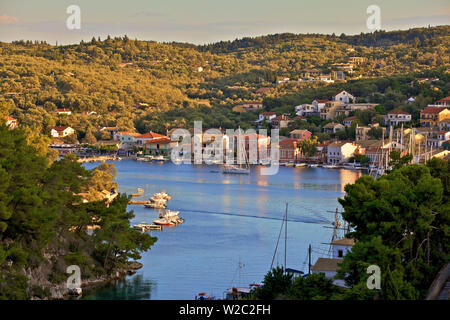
309,110
344,96
330,266
444,125
61,131
127,137
332,127
348,121
330,109
250,140
281,122
60,112
437,139
345,67
289,150
346,109
300,134
268,116
445,102
357,60
160,146
432,116
11,122
248,106
340,152
310,73
375,150
396,117
143,138
362,132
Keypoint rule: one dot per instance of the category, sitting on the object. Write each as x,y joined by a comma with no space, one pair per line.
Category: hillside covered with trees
147,85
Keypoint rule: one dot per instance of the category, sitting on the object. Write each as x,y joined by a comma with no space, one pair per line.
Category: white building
396,117
344,97
61,131
330,266
340,152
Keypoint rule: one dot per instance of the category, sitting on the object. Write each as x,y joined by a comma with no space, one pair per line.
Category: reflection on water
135,287
348,176
227,218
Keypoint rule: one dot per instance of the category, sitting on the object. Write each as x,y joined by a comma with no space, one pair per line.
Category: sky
207,21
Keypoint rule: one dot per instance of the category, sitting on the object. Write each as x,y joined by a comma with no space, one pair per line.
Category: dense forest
43,221
145,85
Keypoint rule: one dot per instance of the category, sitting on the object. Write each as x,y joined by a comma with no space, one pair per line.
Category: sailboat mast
285,236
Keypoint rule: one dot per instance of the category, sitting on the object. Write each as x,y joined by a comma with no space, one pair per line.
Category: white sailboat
233,169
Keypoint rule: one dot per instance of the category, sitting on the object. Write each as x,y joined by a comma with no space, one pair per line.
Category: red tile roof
446,99
433,110
60,128
398,112
160,140
151,135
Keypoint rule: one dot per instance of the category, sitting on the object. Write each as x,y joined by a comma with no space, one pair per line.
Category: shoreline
61,292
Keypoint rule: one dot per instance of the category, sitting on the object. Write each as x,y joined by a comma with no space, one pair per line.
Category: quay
138,202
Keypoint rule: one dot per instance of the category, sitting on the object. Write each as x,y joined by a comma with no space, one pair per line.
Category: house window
340,253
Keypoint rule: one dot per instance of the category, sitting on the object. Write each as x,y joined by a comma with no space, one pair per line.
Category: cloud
5,19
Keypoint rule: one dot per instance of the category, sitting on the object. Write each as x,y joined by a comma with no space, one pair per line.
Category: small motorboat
299,165
156,205
168,221
169,214
164,222
313,165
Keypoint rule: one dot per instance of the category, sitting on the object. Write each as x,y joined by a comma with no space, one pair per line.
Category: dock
147,227
138,202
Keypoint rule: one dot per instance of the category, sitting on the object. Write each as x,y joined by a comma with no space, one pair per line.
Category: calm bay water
227,219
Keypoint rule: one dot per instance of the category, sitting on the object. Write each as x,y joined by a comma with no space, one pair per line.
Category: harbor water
231,226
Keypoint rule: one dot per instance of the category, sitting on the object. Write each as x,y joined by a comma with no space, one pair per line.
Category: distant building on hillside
396,117
62,131
344,97
11,122
63,112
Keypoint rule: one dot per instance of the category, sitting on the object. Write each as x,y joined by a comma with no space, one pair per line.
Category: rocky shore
60,291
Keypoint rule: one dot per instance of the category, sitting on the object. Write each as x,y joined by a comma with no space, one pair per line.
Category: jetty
147,227
139,202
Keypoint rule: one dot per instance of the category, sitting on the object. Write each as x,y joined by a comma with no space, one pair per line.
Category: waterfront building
340,152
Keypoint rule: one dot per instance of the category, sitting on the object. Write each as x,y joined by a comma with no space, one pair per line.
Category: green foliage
312,287
276,284
401,223
43,222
